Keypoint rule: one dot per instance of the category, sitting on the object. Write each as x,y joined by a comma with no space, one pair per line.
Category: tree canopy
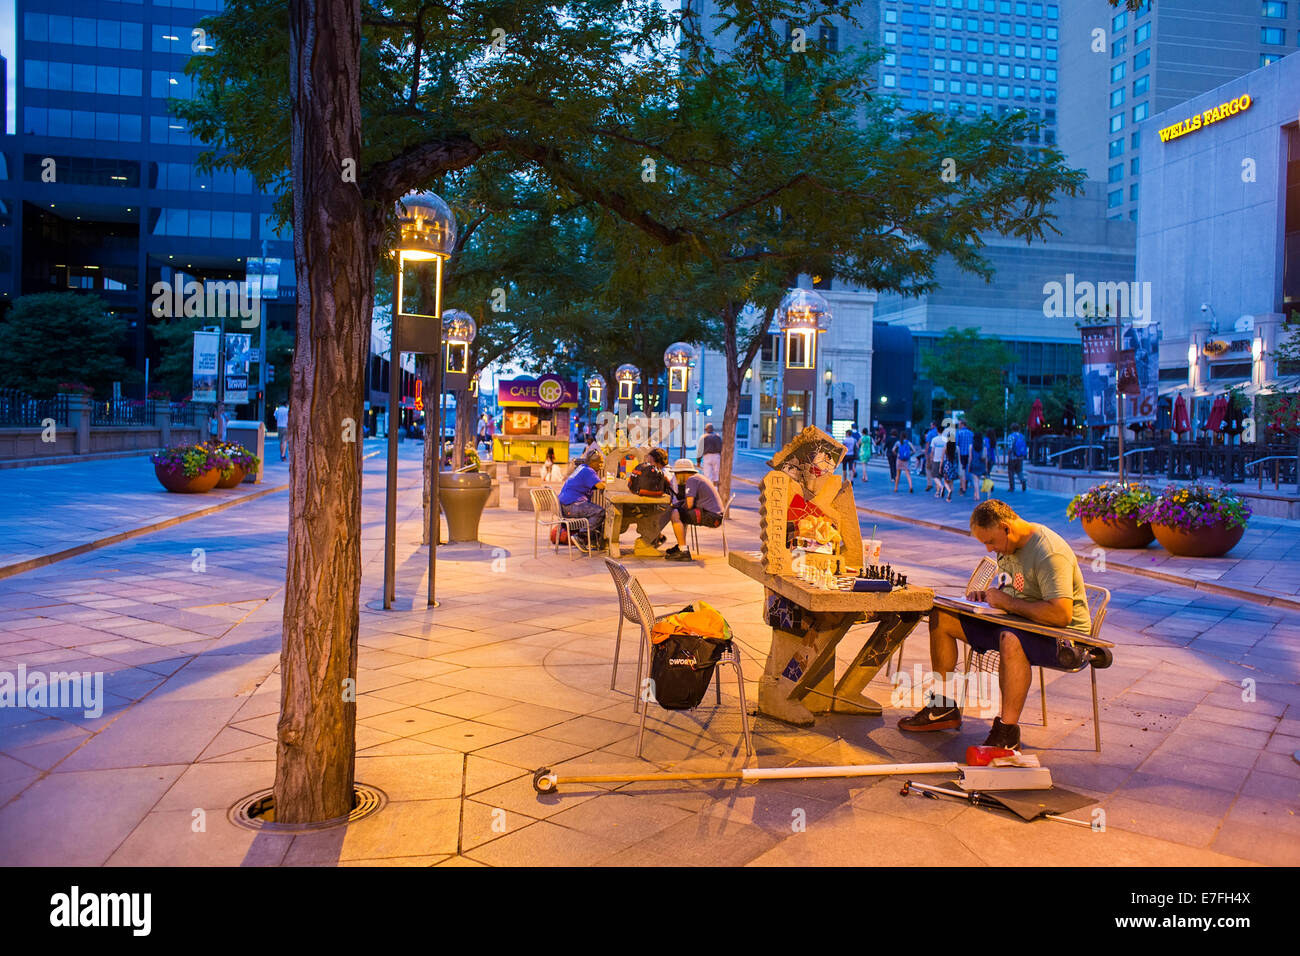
51,338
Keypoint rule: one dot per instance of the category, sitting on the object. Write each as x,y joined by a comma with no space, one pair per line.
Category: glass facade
994,39
110,198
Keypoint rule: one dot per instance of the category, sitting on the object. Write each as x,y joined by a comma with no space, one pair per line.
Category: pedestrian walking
863,453
951,467
282,427
978,464
965,445
850,463
1017,450
900,462
929,455
709,453
938,449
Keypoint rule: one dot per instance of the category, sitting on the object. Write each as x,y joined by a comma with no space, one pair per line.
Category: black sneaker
932,718
679,554
1006,736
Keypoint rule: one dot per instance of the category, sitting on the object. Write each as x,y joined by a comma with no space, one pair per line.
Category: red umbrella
1182,421
1036,417
1217,411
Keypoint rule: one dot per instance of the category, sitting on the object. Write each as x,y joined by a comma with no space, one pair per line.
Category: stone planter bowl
176,481
1212,542
1118,532
237,474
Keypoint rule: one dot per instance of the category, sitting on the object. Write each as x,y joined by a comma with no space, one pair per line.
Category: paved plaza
458,705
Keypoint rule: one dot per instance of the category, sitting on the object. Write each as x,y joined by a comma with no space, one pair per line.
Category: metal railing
20,410
182,413
1277,461
122,412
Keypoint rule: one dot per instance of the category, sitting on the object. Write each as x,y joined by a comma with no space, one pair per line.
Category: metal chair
635,606
695,529
546,511
1098,600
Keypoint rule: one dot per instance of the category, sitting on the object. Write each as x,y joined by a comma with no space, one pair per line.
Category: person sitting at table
1039,580
650,480
697,502
575,499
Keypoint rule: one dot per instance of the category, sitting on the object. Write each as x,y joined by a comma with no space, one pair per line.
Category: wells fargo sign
1213,115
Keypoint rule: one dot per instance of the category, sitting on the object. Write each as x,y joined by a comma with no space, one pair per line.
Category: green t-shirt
1045,569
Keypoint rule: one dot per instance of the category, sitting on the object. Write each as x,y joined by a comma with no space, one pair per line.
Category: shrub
190,460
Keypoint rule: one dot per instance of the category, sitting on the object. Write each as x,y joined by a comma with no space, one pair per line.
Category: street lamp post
804,315
427,231
628,377
678,359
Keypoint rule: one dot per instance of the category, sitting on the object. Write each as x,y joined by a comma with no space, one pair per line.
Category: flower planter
1212,541
237,473
1118,532
176,481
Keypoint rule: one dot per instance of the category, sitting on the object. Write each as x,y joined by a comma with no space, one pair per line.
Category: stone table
798,681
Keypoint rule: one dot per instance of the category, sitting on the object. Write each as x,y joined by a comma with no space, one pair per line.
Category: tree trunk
335,248
735,366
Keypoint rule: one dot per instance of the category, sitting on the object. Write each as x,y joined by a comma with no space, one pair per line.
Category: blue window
1035,53
1050,74
987,68
1115,198
1117,72
891,36
1133,192
1035,9
1004,28
940,64
891,16
36,26
1115,173
986,89
1119,22
1052,33
1117,97
83,31
1051,54
1141,85
1116,147
1021,49
1119,47
1004,49
889,79
1036,31
1140,112
1273,35
35,74
1053,12
1117,122
1004,70
1022,30
83,78
972,89
972,46
1142,34
941,43
1274,10
1022,9
1142,59
1133,166
1134,141
1004,91
1018,71
1019,92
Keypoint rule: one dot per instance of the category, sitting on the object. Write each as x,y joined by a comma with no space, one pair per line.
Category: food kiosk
534,417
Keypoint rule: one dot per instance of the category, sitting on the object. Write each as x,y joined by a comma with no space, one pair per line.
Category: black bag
647,479
681,667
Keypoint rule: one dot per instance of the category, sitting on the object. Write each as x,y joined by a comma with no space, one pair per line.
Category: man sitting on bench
1042,583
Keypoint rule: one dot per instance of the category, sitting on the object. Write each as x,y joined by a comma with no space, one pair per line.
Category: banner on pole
238,346
206,346
1134,370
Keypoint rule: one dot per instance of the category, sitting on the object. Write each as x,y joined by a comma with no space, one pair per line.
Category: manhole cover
257,811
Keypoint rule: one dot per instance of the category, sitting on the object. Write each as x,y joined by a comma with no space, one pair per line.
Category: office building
1119,67
101,191
1219,230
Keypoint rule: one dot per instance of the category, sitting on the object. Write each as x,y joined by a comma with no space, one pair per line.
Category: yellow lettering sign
1190,125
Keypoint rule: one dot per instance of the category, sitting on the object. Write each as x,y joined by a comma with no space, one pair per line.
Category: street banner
206,346
1143,402
1099,374
238,346
1134,370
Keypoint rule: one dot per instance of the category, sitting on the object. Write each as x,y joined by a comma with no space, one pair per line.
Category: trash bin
461,496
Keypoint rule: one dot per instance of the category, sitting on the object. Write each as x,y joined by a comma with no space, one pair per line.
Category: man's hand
998,598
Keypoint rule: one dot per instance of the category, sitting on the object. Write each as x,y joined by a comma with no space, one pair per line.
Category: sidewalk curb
1290,604
10,570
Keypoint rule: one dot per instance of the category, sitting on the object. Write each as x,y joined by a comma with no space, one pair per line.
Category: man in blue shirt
965,442
575,498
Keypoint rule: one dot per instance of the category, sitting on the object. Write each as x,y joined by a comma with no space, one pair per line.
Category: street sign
255,355
842,394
